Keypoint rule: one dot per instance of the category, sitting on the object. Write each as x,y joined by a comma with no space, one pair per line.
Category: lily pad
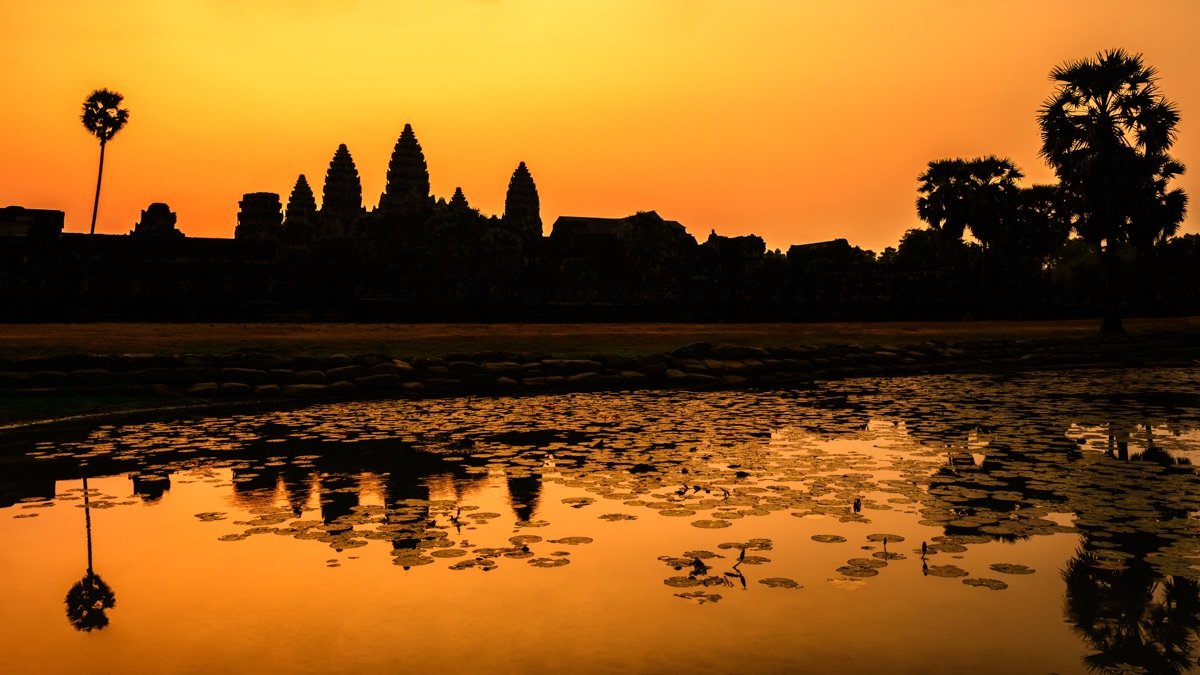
210,516
1012,568
993,584
711,524
946,571
828,538
615,517
700,596
856,571
779,582
572,541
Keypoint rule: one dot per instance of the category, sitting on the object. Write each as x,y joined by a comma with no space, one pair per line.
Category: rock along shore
254,377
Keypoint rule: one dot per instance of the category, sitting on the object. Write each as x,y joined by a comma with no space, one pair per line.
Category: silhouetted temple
301,215
406,195
158,220
341,200
260,216
415,257
522,210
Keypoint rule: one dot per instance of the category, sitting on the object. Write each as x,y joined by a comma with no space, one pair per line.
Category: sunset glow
797,121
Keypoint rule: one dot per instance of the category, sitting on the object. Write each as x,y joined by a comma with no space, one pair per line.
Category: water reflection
89,599
1129,614
923,484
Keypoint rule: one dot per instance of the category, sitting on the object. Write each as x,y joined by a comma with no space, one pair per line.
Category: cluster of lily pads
984,458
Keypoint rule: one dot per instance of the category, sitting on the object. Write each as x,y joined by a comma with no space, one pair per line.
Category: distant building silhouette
158,221
260,216
414,257
17,221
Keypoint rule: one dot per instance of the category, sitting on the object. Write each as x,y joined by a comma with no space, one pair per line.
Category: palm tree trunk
87,516
96,203
1112,292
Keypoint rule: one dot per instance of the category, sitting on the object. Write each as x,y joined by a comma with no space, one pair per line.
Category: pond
1037,523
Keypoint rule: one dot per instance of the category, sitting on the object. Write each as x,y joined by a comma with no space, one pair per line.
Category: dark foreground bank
34,391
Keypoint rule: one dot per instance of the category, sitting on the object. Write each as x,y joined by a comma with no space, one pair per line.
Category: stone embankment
255,376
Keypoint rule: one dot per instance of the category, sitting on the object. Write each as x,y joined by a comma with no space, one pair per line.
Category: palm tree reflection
1132,616
90,597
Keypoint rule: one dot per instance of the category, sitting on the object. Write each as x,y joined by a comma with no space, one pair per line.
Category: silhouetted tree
978,194
1032,237
341,199
103,117
406,194
1107,131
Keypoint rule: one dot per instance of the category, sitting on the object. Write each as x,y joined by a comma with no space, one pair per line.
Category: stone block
345,373
311,377
304,390
379,381
244,375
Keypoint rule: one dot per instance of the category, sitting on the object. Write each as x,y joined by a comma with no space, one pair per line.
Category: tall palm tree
103,117
1107,132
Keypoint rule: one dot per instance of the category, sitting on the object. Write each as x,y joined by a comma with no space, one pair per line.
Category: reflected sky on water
974,523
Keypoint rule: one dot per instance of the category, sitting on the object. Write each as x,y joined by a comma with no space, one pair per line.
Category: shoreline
130,388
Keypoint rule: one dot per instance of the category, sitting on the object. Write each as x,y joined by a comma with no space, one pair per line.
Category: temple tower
458,202
407,192
522,210
158,221
260,216
341,200
302,205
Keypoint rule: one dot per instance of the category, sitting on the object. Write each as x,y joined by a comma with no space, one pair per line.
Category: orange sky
796,120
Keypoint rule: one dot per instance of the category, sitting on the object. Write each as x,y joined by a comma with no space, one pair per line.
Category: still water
1033,524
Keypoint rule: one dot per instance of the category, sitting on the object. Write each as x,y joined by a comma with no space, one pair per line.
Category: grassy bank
27,349
565,340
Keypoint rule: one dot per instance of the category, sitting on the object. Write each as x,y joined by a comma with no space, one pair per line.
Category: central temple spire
407,190
522,209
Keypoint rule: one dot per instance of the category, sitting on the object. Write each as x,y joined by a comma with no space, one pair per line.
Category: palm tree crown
957,194
1107,131
103,115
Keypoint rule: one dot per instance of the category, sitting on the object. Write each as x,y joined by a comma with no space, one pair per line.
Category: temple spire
407,190
522,210
301,205
341,200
